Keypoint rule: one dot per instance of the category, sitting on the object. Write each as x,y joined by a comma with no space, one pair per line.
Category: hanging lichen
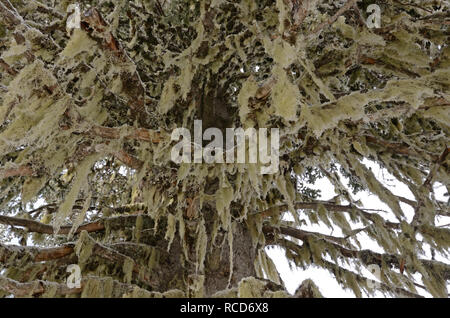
84,247
86,169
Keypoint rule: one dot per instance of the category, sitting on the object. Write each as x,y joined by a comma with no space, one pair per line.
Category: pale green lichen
92,289
80,217
227,293
31,188
171,229
127,268
79,42
268,267
168,96
285,96
196,286
83,247
138,228
251,287
249,88
80,181
337,92
201,246
276,294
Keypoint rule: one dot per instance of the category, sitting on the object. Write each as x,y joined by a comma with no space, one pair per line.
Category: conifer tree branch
367,257
39,287
22,171
35,254
38,227
338,271
349,4
34,288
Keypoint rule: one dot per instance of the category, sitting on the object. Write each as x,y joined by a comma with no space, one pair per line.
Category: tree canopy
86,116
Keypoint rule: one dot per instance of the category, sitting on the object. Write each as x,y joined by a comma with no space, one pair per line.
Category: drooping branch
45,9
27,171
8,14
129,160
114,133
132,86
427,185
121,155
13,19
114,256
305,234
307,289
117,222
397,148
349,4
7,68
38,227
429,180
39,287
35,288
367,257
53,207
36,254
340,271
332,207
22,171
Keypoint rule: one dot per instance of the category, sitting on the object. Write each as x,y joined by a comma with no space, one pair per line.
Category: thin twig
330,21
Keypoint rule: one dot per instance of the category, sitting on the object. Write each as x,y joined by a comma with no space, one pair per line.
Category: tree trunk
173,271
218,262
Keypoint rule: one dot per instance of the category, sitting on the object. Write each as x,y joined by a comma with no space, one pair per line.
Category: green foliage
86,116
